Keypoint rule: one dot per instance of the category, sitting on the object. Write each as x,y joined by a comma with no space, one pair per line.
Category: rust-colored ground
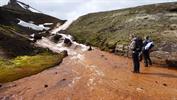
95,75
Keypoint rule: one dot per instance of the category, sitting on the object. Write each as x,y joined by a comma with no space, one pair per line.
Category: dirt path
94,75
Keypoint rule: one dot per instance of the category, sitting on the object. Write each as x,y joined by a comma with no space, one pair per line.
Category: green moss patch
24,66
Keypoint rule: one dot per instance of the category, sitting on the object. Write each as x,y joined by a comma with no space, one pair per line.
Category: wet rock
37,36
164,84
64,53
56,38
173,26
164,58
64,79
45,85
67,42
102,55
90,48
63,31
121,49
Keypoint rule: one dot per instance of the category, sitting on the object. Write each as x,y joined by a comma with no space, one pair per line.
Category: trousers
147,59
136,62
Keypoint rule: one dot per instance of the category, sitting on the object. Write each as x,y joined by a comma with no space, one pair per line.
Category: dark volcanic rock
37,36
90,48
45,85
67,42
65,53
55,38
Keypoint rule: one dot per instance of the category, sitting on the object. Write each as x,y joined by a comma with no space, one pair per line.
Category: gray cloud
72,9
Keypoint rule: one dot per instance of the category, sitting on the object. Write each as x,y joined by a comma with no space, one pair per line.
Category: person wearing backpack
147,46
136,47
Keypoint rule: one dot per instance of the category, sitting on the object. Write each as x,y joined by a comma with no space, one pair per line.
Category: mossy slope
111,30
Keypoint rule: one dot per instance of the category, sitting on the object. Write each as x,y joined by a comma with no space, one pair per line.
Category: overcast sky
72,9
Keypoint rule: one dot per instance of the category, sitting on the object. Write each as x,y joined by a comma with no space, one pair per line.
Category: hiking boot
135,72
146,65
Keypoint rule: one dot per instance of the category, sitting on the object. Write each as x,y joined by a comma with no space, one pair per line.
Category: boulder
67,42
121,49
65,53
90,48
37,36
164,58
56,38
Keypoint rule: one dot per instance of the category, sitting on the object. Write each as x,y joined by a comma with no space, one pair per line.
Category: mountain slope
111,30
16,28
20,27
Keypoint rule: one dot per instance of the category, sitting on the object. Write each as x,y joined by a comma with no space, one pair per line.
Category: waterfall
58,42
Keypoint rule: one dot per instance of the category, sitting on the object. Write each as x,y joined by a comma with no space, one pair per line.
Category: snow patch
27,7
33,10
23,6
48,23
32,26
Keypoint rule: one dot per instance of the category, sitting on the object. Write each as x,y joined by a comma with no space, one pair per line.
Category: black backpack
138,44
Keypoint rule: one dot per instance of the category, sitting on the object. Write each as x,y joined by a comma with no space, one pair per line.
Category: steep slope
17,24
20,27
111,30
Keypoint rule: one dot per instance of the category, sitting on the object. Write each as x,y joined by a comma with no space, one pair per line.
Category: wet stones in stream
67,42
90,48
37,36
45,86
65,53
103,56
56,38
164,84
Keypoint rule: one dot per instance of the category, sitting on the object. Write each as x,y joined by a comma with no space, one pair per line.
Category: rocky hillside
18,21
111,30
20,27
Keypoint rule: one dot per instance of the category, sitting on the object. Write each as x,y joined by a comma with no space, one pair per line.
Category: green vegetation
23,66
19,57
111,28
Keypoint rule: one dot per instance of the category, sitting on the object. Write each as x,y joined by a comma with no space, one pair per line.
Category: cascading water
64,42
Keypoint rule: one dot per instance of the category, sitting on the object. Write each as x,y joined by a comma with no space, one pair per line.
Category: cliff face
111,30
18,21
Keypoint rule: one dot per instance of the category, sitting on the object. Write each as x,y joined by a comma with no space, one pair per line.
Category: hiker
136,47
147,46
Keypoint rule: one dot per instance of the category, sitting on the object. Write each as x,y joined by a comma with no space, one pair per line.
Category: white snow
23,6
48,23
33,10
28,8
32,35
32,26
